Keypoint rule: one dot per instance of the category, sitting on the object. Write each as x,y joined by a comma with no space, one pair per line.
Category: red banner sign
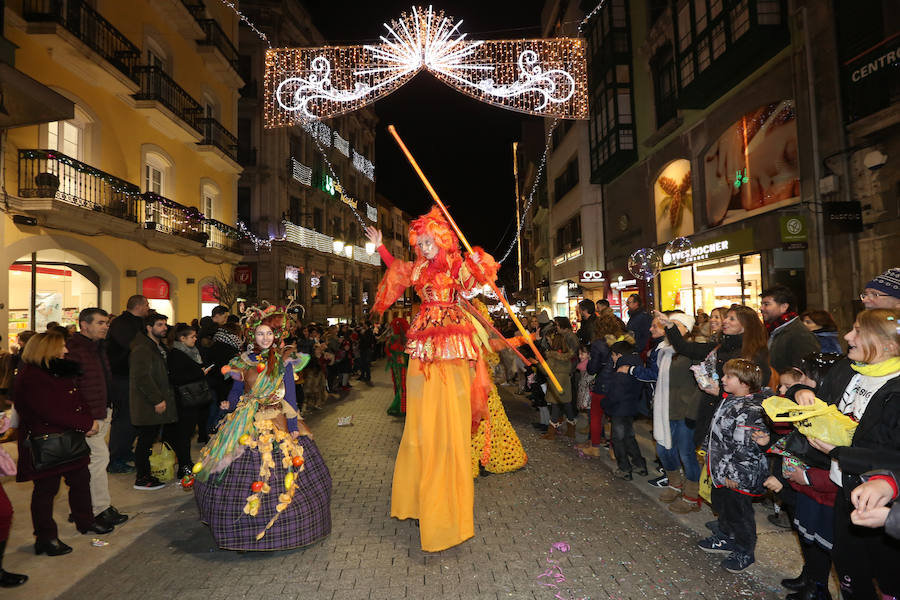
155,288
243,274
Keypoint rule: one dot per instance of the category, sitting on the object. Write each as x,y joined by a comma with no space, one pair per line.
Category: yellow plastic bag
822,421
705,479
162,462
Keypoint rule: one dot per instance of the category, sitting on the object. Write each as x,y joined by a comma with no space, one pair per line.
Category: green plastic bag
162,462
822,421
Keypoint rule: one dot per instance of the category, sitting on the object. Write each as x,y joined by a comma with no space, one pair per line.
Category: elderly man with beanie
883,291
675,401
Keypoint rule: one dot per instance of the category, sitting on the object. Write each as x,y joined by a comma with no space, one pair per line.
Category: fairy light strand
590,16
534,186
247,22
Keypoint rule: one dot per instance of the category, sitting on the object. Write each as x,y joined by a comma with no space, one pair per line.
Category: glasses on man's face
871,295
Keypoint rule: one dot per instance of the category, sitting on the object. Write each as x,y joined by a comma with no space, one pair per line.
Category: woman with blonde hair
50,407
865,386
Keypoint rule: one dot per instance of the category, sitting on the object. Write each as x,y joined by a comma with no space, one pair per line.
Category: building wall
116,138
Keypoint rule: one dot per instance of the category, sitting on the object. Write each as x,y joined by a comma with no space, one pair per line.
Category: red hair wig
435,225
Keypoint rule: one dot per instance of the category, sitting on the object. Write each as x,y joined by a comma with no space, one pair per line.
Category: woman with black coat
743,336
48,402
865,386
188,375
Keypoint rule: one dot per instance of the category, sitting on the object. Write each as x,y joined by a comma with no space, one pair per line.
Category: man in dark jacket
638,323
587,316
87,348
789,339
150,396
122,330
366,351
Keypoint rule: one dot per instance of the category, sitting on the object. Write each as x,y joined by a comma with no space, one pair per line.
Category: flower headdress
281,319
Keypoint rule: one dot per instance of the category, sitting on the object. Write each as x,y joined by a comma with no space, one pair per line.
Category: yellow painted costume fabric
432,478
496,445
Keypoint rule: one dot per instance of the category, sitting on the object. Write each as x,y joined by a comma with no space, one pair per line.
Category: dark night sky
464,146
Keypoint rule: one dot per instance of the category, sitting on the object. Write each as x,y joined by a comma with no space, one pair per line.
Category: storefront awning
29,102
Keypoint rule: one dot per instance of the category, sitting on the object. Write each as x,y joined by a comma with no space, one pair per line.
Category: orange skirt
432,475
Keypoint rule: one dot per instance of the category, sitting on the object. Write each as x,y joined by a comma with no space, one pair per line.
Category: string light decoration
301,172
545,77
342,145
587,17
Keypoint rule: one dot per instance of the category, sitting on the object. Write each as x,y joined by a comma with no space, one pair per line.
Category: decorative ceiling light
546,77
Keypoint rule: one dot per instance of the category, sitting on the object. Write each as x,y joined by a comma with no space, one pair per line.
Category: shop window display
61,286
712,283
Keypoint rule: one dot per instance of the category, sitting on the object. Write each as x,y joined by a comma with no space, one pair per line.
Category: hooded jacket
623,395
732,452
790,343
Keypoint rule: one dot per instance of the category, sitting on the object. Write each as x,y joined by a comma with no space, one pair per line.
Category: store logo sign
699,253
591,276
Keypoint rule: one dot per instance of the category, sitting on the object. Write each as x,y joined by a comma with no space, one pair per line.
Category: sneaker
780,519
717,544
661,482
737,561
119,467
148,483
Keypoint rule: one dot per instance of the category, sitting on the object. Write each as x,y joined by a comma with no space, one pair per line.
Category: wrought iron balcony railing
157,85
90,27
222,236
51,174
215,134
216,37
195,7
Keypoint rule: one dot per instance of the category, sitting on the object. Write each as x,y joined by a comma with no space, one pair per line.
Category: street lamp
338,246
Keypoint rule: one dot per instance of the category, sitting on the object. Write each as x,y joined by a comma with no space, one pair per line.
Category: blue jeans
682,452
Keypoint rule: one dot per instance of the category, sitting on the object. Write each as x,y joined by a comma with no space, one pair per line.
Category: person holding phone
186,370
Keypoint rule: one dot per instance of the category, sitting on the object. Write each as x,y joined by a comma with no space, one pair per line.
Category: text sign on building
591,276
243,274
734,243
793,232
880,58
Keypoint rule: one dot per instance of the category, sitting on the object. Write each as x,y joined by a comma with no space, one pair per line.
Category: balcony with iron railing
216,37
88,26
47,174
195,7
222,236
215,134
158,86
51,174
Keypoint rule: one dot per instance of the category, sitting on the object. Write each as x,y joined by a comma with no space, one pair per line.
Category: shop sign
867,66
243,274
574,253
574,290
794,234
591,276
843,217
208,294
155,288
736,243
559,260
622,284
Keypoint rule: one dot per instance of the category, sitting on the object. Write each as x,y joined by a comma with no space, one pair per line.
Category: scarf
785,318
662,431
194,353
885,367
227,338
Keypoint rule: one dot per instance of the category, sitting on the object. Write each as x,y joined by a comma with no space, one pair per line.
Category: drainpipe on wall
814,125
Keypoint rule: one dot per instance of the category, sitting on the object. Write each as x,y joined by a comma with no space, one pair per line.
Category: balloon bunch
646,263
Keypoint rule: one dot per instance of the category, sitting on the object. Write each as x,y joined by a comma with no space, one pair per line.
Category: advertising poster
47,308
674,201
753,167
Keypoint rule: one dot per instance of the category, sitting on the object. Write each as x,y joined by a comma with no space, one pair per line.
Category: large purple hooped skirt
306,520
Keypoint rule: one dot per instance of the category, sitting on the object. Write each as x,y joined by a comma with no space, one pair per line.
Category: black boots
811,591
8,580
797,583
52,548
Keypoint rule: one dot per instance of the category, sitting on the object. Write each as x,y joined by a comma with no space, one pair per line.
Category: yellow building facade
136,192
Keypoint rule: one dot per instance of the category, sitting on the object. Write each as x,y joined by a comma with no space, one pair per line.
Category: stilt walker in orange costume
447,381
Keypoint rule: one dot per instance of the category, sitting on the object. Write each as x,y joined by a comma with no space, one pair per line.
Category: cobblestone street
621,544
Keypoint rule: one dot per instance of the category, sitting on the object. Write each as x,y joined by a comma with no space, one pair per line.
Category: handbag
195,393
56,449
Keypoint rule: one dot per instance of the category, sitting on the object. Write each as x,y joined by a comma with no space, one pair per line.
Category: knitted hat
686,320
887,283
